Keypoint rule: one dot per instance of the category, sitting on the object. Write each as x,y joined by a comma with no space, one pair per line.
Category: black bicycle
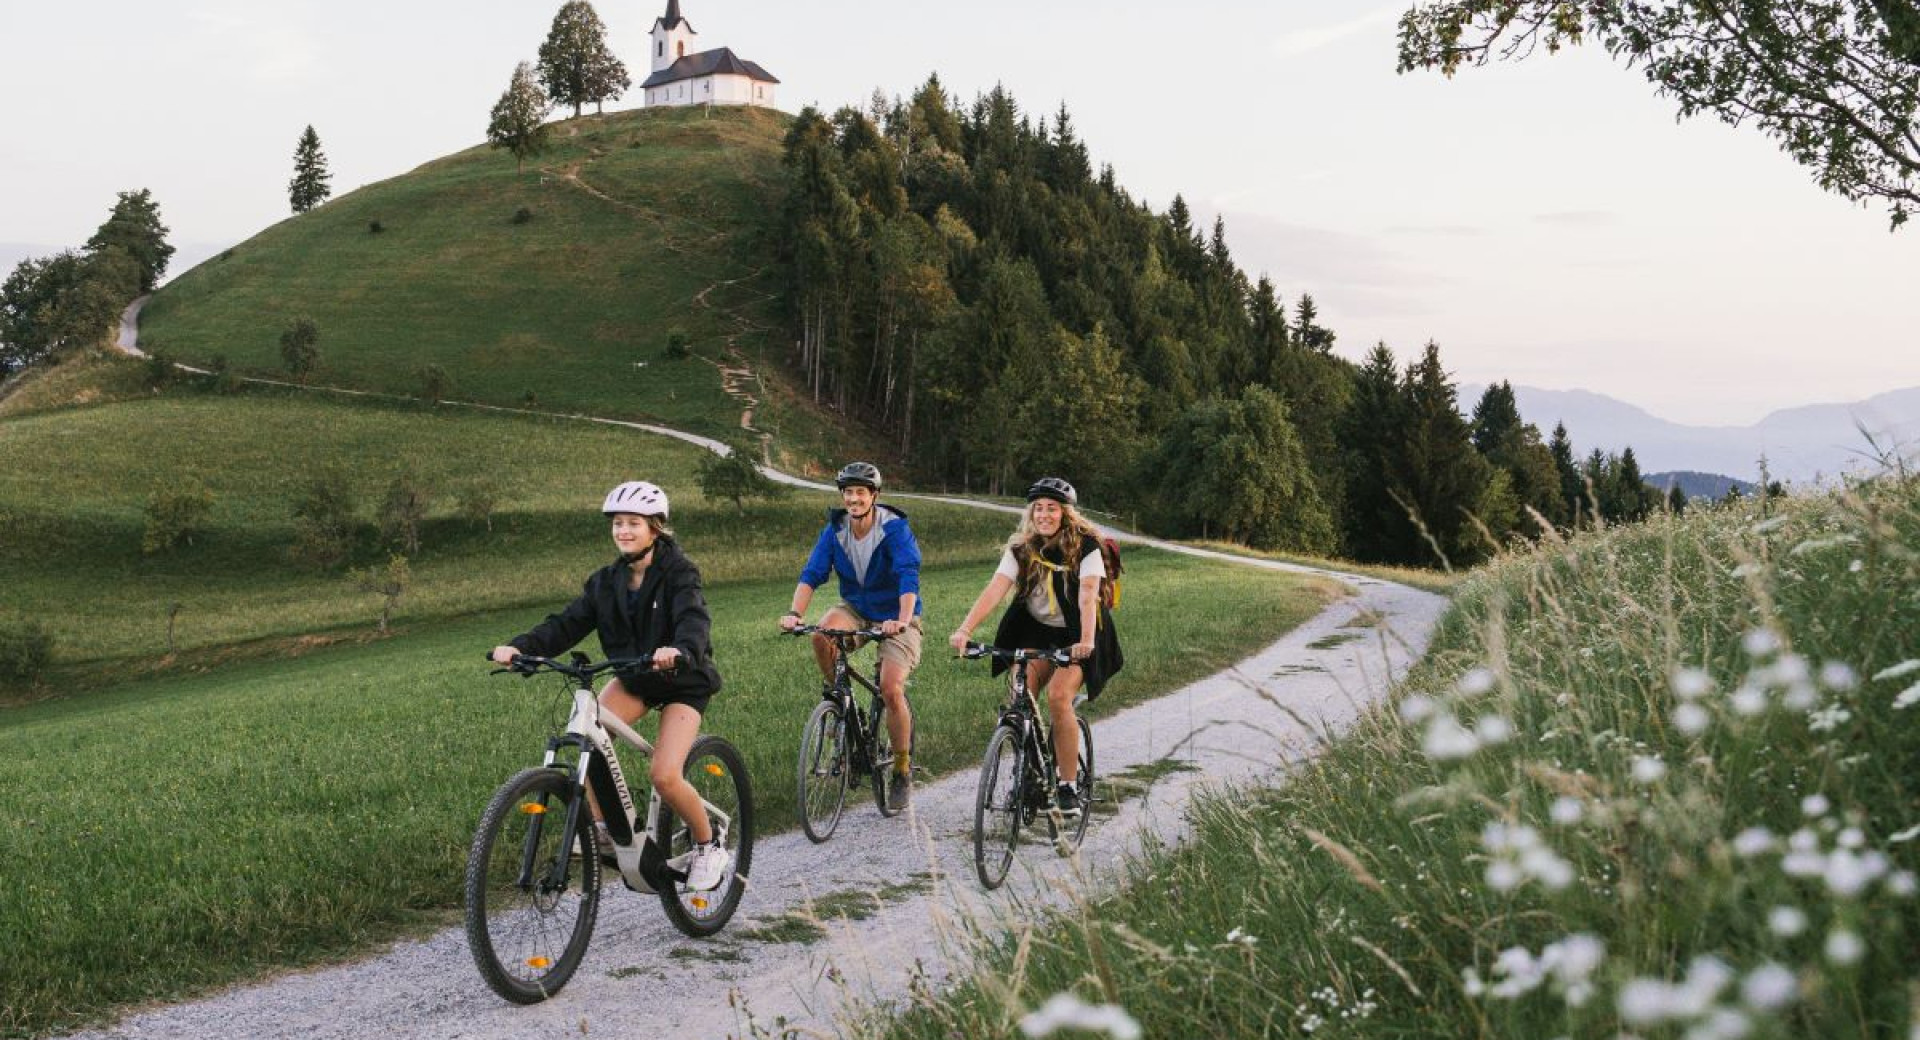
1018,776
844,743
533,874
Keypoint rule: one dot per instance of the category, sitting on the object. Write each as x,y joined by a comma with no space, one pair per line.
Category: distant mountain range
1800,444
1697,485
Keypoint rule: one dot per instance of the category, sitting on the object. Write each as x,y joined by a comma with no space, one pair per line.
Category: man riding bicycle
872,548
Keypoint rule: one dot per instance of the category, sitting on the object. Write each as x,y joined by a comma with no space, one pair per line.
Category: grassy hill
636,223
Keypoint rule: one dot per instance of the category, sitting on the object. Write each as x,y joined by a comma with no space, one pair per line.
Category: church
715,77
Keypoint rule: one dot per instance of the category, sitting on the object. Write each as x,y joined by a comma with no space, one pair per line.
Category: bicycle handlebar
529,665
838,633
976,651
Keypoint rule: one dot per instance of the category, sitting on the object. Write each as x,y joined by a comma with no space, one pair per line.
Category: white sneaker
706,867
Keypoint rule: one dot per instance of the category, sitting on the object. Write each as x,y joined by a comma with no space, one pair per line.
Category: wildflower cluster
1569,964
1327,1007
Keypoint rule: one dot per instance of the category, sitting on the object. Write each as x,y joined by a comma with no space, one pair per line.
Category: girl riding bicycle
647,605
1053,563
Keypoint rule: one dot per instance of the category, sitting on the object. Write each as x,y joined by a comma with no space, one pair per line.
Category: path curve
1248,724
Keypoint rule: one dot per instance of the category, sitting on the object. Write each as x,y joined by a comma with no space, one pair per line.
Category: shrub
435,384
679,346
403,511
26,647
374,227
175,513
325,522
159,368
300,347
477,502
221,378
522,215
735,477
390,582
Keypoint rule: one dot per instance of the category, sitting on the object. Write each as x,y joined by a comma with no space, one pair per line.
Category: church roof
672,18
719,62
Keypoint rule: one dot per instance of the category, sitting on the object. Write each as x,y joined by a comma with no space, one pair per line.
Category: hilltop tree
1835,82
576,66
518,123
310,184
134,226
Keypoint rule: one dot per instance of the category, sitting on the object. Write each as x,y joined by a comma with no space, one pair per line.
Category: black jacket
1019,628
670,610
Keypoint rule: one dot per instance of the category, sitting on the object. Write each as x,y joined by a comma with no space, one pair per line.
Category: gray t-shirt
860,550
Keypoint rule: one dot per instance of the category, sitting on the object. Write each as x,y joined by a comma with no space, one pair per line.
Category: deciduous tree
518,122
134,226
576,66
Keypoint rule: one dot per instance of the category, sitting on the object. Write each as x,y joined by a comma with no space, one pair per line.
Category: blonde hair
1027,544
657,523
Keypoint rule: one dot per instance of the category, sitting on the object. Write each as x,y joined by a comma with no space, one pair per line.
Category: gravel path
641,978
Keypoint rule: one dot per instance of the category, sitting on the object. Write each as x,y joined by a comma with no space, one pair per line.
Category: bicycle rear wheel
530,911
716,770
997,807
823,771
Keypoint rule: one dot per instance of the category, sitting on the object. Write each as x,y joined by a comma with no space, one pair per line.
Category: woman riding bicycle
1053,563
647,605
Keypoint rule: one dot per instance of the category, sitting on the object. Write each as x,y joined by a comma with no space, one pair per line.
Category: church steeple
671,35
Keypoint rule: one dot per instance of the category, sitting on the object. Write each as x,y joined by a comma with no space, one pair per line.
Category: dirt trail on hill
771,974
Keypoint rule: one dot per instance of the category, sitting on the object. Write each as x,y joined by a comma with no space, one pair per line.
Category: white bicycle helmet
636,496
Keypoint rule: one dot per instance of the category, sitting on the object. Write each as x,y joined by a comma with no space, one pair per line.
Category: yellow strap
1053,602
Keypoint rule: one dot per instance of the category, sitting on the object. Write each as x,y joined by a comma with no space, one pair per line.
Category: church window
660,48
680,49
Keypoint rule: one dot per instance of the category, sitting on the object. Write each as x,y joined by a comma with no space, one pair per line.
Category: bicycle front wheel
884,759
1076,830
719,775
823,771
997,807
532,889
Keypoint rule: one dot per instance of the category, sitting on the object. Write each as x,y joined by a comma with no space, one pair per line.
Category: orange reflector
698,903
714,768
533,808
538,962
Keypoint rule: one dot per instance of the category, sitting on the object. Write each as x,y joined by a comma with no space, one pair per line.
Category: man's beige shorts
902,649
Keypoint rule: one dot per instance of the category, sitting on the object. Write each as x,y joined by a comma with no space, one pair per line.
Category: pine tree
517,123
1573,489
310,184
1307,330
134,226
575,65
1376,527
1444,477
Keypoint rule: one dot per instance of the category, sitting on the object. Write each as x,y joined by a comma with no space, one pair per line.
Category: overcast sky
1546,222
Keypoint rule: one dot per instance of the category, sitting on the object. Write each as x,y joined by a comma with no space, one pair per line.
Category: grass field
280,812
638,223
1663,782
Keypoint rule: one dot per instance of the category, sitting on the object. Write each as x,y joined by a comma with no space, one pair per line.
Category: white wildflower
1570,963
1648,770
1472,983
1847,873
1844,947
1901,883
1066,1011
1689,683
1749,700
1646,1001
1753,841
1416,708
1801,696
1493,729
1243,938
1769,525
1722,1023
1831,717
1759,642
1476,682
1446,739
1567,811
1504,875
1906,667
1855,566
1836,675
1769,987
1786,921
1789,669
1815,805
1851,838
1691,719
1908,697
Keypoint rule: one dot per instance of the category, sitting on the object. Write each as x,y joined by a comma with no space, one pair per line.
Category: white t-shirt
1039,603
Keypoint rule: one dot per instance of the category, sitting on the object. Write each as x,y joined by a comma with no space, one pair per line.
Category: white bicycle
533,877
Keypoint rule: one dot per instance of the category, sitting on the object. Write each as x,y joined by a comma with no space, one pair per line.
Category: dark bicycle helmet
1054,488
858,474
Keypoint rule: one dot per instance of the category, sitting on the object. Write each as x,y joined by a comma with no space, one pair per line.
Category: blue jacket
893,572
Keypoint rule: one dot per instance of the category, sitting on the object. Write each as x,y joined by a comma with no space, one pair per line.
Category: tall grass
1660,782
174,834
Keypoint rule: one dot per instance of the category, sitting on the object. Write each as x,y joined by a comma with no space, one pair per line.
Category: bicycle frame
638,850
